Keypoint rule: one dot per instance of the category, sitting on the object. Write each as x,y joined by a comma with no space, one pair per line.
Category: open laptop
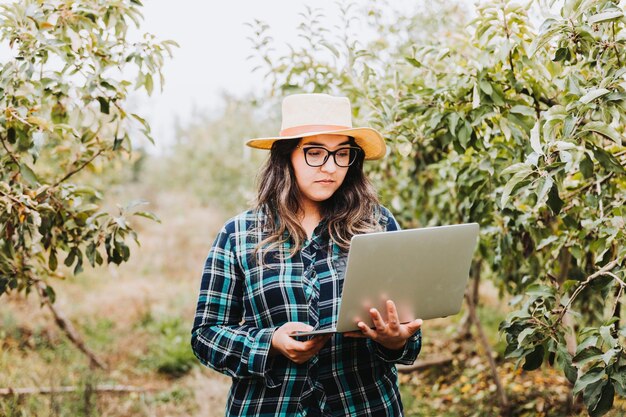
424,271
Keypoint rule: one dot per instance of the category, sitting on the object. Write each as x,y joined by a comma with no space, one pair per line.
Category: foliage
518,128
63,97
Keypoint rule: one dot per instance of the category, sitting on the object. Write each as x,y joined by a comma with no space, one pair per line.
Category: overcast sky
213,50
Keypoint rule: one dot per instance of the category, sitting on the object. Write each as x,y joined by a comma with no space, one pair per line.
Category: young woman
278,268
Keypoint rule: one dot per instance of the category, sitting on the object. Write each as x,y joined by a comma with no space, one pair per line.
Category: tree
210,159
63,102
518,128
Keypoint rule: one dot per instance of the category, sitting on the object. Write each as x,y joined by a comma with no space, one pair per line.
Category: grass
169,352
138,317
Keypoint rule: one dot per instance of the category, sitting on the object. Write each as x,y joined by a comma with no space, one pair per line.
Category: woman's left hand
392,334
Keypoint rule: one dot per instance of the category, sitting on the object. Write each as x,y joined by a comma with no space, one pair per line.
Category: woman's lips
325,181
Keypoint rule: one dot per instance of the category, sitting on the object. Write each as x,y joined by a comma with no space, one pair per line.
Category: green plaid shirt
241,304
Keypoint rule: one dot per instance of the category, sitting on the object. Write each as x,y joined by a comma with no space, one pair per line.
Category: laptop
424,271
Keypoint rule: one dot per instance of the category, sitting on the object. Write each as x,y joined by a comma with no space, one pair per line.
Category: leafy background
514,119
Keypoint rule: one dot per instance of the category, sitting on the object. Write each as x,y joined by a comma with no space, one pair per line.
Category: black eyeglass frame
354,149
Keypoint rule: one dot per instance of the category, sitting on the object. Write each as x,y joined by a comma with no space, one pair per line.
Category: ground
137,318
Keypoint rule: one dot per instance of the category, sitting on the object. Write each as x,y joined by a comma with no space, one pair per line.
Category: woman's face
317,184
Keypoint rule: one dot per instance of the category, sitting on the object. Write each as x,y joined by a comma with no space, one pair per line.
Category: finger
392,315
302,347
379,323
365,330
316,343
414,326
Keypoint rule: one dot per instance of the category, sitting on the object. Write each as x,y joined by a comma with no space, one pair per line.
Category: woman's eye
315,152
344,153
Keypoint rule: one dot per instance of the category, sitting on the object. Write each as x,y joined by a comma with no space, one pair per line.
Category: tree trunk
464,331
67,327
503,401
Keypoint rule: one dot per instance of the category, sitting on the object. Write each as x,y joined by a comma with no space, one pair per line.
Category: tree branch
508,38
617,310
69,389
619,61
13,157
583,285
425,363
74,171
67,326
16,201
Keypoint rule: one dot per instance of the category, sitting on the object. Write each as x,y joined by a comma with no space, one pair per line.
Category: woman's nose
329,165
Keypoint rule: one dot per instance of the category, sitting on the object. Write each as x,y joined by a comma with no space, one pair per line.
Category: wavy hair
349,211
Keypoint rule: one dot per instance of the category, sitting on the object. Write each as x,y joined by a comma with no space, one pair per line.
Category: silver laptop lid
424,271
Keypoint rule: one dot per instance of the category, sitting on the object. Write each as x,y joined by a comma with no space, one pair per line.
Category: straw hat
315,114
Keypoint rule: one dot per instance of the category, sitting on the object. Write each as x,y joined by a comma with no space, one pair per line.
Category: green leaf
117,143
593,94
517,167
11,135
605,333
602,129
554,200
90,252
510,185
50,293
147,215
104,105
591,376
586,355
521,109
486,87
69,260
586,166
148,83
605,16
618,376
475,97
524,334
28,174
548,29
605,402
535,141
568,126
79,265
52,260
331,48
545,184
534,359
607,160
560,54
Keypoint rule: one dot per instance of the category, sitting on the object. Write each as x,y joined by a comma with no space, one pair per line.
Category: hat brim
368,139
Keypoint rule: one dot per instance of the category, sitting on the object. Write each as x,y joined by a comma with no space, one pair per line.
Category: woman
278,268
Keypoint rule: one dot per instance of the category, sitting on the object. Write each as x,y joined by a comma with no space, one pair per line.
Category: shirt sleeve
413,344
218,339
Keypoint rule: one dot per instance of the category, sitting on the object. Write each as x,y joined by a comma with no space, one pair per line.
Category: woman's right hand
295,350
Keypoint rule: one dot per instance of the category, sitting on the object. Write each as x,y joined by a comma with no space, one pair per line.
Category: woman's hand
295,350
392,334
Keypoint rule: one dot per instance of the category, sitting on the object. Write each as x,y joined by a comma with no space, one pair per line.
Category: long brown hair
349,211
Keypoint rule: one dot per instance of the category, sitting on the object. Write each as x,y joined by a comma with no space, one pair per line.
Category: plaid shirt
241,304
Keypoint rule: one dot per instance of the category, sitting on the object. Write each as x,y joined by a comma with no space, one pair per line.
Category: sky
213,51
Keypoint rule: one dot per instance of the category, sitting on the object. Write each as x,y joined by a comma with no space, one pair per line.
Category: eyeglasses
316,156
